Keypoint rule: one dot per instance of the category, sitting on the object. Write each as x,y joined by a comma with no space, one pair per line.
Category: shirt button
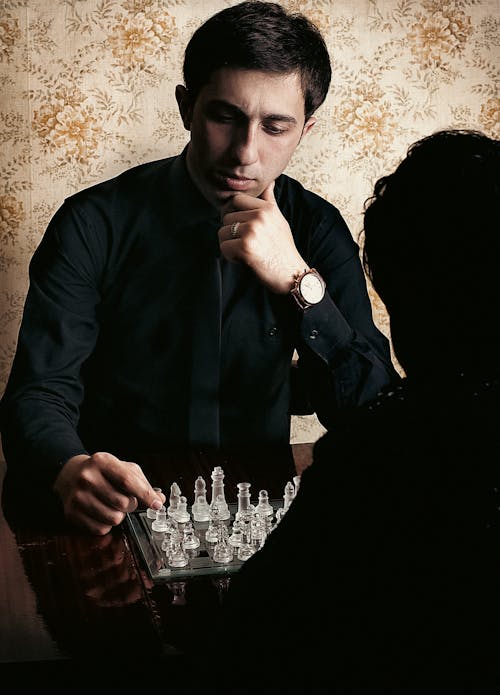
314,334
272,331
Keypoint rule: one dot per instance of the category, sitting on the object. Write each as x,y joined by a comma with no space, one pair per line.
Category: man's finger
128,477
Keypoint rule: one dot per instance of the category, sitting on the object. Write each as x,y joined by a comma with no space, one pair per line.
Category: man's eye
221,116
274,130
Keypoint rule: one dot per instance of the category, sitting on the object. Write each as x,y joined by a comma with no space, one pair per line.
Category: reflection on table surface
75,603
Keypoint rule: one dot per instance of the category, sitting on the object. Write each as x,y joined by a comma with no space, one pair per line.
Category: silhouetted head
431,249
260,36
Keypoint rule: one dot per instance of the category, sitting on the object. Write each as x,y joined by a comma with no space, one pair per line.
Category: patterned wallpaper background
87,90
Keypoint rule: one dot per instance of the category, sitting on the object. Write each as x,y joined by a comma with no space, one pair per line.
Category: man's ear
308,125
184,104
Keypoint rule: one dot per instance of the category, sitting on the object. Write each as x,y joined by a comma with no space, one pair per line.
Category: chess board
149,544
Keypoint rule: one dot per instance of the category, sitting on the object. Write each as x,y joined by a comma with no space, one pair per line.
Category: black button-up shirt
137,335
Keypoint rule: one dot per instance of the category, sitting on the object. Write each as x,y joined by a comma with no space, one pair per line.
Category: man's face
245,126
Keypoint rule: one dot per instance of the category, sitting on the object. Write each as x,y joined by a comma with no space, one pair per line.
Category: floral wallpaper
87,90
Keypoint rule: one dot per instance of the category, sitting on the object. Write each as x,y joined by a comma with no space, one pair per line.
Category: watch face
311,288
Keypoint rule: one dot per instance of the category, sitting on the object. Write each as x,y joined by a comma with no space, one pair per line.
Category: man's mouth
231,182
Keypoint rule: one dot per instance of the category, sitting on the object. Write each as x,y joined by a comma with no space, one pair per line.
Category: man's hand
263,239
98,491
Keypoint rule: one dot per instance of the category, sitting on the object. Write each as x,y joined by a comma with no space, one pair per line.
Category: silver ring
234,230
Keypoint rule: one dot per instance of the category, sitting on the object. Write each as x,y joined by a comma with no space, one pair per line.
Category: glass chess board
201,562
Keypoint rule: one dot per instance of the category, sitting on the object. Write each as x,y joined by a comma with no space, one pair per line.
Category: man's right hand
98,491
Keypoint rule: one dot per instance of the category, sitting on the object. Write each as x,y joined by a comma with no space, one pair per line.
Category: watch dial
311,288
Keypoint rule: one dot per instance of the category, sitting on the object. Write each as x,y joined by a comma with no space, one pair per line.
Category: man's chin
219,198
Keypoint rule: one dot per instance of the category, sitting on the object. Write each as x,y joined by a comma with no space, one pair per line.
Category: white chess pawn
288,496
191,540
212,532
181,514
151,513
264,507
177,556
223,552
200,508
160,523
236,537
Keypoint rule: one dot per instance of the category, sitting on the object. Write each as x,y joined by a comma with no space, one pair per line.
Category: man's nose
245,144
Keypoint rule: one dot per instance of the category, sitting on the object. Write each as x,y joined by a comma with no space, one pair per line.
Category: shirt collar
192,209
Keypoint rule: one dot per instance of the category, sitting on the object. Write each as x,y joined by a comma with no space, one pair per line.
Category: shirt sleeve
58,332
344,359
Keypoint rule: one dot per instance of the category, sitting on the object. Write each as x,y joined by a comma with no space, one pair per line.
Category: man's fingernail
155,504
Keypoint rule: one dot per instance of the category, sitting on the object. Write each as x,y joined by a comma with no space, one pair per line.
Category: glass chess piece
181,514
191,540
246,549
288,496
175,494
177,556
218,493
245,508
257,532
160,523
264,507
236,537
212,532
223,551
151,513
200,508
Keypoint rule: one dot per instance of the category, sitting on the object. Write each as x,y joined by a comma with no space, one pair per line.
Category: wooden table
74,605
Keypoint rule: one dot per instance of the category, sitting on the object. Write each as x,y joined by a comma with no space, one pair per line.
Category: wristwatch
309,288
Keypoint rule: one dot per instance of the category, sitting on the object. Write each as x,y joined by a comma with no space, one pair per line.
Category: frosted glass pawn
257,532
176,555
223,552
218,493
175,494
212,533
151,513
171,529
160,523
246,549
264,507
200,508
288,496
191,540
181,514
236,537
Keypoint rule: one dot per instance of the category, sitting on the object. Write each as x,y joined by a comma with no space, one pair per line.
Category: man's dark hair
260,36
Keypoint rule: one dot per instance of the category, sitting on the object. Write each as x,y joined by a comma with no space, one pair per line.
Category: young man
165,304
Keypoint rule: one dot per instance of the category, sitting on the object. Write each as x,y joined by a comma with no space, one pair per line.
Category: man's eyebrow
221,103
280,117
